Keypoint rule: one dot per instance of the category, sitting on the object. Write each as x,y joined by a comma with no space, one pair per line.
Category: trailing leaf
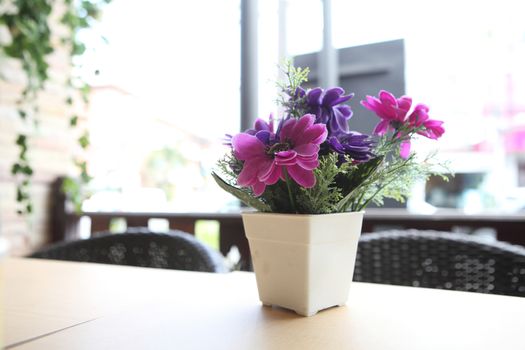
242,195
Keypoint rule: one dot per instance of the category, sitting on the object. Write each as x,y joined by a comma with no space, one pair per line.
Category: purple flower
353,144
328,107
267,156
262,125
227,140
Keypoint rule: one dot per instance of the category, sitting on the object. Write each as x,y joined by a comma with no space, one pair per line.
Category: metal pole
282,48
282,52
327,59
249,67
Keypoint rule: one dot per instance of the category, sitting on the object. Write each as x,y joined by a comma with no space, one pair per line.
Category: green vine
27,21
30,44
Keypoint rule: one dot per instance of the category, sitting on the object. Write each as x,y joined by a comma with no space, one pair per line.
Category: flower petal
344,110
315,134
263,136
387,98
299,92
404,149
376,106
287,128
247,146
382,127
265,170
313,96
404,103
248,175
307,149
418,116
274,176
343,99
302,176
302,124
338,122
331,96
308,163
258,188
261,124
285,157
434,130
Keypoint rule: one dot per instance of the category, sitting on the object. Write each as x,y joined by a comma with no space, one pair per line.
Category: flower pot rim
260,213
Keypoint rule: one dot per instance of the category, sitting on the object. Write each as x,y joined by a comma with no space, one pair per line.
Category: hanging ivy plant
31,42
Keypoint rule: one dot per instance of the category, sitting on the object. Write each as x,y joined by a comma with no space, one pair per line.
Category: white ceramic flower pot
303,262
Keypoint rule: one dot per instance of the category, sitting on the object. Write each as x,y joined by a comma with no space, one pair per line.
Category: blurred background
166,87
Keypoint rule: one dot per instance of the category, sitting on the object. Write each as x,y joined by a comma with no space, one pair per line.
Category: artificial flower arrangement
311,162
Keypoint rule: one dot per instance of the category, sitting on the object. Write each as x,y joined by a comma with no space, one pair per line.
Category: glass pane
166,92
465,60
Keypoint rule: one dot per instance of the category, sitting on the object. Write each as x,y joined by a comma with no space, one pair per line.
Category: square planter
303,262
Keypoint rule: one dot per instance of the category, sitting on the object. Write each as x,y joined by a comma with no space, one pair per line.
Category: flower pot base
303,311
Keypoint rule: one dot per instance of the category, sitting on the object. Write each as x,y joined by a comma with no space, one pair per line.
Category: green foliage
31,39
22,171
79,15
83,141
74,188
322,198
338,188
73,121
31,43
295,76
351,181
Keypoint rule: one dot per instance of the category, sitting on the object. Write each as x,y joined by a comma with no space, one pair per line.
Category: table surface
64,305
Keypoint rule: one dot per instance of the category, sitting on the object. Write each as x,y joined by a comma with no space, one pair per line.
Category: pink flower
392,111
266,156
431,128
394,116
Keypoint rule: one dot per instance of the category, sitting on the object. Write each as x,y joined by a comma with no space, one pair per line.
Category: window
166,92
169,80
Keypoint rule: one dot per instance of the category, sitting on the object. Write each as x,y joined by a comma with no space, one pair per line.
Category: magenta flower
267,157
392,111
394,116
429,128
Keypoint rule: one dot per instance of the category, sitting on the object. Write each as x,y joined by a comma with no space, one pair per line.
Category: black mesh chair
441,260
140,247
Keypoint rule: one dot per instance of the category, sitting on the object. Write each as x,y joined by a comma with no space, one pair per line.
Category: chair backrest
441,260
140,247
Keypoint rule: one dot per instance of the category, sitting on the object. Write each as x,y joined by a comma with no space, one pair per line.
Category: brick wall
52,147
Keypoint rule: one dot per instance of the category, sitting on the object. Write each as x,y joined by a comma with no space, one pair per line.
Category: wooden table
63,305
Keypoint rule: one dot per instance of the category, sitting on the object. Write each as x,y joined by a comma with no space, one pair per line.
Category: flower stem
289,187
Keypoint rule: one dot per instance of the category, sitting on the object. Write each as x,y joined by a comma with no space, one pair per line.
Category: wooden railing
508,227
